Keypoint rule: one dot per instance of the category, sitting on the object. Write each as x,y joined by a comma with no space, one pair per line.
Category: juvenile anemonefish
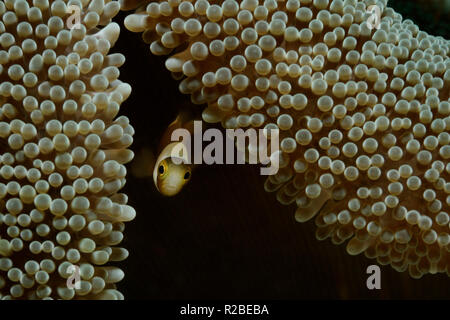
171,170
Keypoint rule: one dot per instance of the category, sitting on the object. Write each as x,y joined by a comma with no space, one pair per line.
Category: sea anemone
63,153
362,106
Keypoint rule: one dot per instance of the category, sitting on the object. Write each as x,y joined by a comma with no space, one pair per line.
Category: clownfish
171,170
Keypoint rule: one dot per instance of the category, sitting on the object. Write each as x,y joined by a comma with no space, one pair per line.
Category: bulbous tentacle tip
5,248
137,22
110,33
124,89
269,186
110,294
356,246
127,213
211,116
324,233
303,214
174,64
414,272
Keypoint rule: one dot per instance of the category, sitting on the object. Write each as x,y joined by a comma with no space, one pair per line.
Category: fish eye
162,168
187,175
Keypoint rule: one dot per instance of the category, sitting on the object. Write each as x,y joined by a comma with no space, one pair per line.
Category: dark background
224,237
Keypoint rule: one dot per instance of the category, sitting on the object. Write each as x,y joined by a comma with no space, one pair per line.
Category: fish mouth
170,190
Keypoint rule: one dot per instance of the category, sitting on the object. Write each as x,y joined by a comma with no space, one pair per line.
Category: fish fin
183,120
142,166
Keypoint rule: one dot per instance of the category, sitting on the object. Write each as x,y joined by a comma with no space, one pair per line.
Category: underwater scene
189,150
